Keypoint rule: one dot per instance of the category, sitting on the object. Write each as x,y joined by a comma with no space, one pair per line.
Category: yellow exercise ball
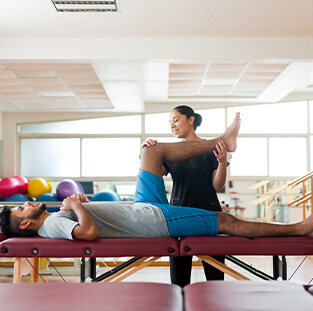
50,186
38,186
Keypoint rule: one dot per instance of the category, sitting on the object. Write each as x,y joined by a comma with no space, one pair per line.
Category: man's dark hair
10,224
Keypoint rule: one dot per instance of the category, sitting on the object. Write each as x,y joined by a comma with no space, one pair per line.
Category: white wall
1,145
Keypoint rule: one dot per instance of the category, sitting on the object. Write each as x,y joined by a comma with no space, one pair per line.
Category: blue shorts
181,220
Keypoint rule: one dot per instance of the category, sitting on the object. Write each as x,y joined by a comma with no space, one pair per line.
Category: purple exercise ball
80,187
66,188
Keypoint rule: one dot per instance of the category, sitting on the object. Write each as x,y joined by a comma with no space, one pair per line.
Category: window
287,156
282,118
50,157
107,125
157,123
250,158
110,156
272,142
213,122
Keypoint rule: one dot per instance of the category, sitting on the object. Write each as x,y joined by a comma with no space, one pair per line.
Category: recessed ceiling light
85,6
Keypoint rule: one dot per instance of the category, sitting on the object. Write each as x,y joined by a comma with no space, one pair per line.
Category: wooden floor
302,274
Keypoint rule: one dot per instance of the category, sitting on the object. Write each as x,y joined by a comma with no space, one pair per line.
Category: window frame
143,135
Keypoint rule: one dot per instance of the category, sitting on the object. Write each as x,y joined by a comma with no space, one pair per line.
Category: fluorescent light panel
85,6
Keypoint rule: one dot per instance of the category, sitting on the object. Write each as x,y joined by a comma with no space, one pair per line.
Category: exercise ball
17,197
11,185
66,188
22,184
47,197
106,195
50,187
38,186
80,187
8,186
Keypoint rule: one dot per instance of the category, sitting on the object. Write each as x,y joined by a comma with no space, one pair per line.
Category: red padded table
91,296
204,247
246,296
36,247
41,247
231,245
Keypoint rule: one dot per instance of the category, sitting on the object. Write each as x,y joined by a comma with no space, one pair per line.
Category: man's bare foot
231,133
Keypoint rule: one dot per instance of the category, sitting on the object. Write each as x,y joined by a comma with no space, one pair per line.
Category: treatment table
147,250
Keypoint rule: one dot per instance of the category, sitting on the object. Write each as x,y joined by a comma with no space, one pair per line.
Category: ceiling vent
85,6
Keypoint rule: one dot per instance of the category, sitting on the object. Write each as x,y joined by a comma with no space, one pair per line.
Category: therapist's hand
148,142
221,154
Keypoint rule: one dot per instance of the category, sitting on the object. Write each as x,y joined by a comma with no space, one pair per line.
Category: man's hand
80,196
87,228
68,203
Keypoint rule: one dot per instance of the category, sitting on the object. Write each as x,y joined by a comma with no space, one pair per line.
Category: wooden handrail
277,189
260,200
299,198
305,199
259,184
301,179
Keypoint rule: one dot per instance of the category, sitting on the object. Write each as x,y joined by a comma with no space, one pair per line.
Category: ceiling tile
211,90
186,75
187,67
27,66
17,88
253,67
50,88
6,82
6,74
91,87
42,81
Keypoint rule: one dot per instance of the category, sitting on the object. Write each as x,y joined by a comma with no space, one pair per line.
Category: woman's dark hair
10,224
188,112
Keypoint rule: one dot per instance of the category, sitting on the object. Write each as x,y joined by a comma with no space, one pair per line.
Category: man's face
29,210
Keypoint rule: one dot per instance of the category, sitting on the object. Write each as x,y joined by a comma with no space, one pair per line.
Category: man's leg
228,224
153,157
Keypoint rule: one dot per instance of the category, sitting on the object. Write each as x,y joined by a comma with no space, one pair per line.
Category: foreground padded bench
128,296
247,296
146,250
91,296
204,247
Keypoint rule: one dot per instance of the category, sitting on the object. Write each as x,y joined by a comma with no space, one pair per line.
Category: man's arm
87,228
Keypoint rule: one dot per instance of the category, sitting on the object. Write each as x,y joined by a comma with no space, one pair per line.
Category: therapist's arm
219,175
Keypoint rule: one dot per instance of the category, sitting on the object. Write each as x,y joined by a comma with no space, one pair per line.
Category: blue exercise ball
106,195
16,197
47,197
